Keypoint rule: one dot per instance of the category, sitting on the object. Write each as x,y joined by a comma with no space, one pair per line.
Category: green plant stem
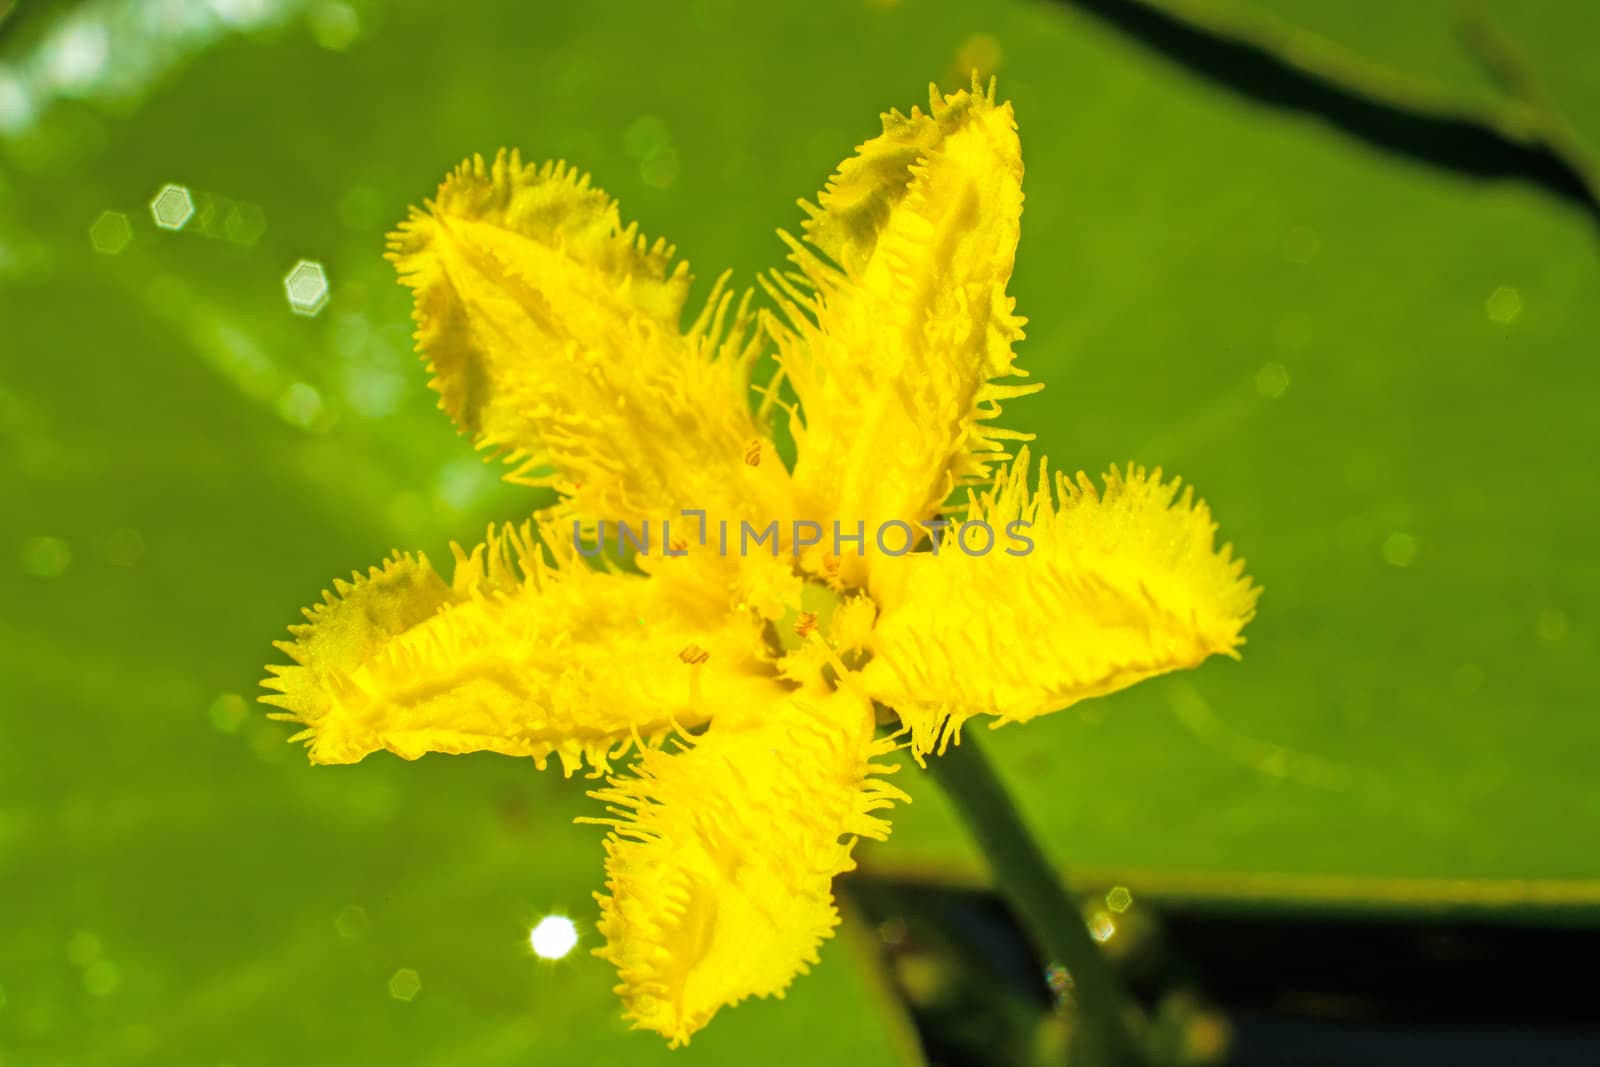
1026,881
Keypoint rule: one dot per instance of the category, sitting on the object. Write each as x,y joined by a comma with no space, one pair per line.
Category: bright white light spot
172,207
16,104
242,13
306,285
173,17
75,56
554,937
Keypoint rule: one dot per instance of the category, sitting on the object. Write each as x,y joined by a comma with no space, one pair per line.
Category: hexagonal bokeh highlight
1504,305
306,286
405,984
172,207
110,233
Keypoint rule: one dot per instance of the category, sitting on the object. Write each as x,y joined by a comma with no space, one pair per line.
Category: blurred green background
1378,368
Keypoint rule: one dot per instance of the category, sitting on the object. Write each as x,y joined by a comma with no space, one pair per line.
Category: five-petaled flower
744,692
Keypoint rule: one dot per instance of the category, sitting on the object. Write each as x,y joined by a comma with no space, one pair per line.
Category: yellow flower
741,680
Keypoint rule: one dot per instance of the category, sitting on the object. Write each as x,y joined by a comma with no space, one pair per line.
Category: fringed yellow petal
894,347
1118,586
553,334
354,621
722,857
517,656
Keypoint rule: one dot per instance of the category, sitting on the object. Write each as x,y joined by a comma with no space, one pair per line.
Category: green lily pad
194,892
190,462
1378,374
1527,63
